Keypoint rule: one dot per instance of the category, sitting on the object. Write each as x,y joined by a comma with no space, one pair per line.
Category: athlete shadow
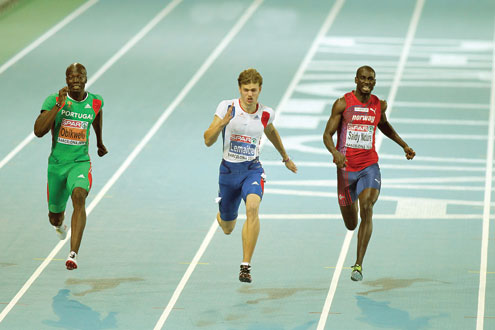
74,315
382,316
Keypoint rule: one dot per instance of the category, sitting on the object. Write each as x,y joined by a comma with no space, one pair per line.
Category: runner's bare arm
387,129
45,120
332,126
98,127
216,126
272,135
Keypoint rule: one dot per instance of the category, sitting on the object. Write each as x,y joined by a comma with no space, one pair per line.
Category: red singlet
356,132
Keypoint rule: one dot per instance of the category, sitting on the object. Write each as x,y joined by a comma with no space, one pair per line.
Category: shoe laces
357,267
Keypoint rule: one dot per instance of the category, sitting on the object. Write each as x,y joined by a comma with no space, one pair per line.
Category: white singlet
242,135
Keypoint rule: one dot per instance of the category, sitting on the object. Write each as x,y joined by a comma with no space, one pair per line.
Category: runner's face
365,81
249,93
76,79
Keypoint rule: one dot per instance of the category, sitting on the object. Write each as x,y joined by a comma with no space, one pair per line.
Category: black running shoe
244,274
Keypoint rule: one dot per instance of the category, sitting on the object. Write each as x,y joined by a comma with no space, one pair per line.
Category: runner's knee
366,209
56,219
228,226
252,206
227,230
350,224
252,211
79,196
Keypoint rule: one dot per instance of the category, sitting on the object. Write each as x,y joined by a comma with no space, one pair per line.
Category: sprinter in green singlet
69,114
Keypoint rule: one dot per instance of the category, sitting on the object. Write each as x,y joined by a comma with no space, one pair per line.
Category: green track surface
25,20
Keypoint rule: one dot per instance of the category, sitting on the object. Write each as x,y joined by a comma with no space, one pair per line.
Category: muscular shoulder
223,106
383,105
96,102
265,108
339,105
95,97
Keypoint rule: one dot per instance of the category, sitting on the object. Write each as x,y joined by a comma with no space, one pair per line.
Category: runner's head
250,82
365,79
76,78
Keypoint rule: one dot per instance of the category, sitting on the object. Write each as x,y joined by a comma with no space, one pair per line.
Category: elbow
208,141
38,132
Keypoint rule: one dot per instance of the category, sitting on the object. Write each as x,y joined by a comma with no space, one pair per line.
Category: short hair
365,67
77,66
250,76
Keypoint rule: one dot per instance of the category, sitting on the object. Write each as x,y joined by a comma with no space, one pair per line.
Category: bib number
73,132
359,136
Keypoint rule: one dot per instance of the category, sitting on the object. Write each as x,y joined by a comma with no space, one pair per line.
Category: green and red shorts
62,179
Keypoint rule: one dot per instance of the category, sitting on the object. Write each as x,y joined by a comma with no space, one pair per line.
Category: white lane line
18,148
47,35
431,121
220,48
307,59
338,216
436,159
211,232
443,168
420,136
413,25
404,180
121,52
391,99
386,185
107,186
395,198
187,275
487,203
441,105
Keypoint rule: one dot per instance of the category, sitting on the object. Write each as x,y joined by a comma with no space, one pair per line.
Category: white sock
245,264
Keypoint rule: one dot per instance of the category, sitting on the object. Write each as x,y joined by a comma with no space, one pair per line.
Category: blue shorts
238,180
351,184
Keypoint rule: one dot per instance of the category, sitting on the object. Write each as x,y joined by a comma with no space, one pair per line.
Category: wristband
58,105
286,160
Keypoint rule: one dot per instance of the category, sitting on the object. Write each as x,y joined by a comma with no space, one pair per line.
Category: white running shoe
61,231
71,262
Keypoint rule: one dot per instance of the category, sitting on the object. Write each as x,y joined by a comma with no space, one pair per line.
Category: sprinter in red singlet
355,117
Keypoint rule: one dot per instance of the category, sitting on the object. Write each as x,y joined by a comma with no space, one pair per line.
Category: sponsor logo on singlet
72,132
361,109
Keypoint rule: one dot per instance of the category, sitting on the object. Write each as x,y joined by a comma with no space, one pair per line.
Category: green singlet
72,125
69,164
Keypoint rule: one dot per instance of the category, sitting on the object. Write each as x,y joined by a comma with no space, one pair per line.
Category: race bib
242,147
359,136
72,132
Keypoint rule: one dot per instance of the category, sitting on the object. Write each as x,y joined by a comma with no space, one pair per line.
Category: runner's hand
102,150
339,159
62,95
228,115
291,166
409,152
